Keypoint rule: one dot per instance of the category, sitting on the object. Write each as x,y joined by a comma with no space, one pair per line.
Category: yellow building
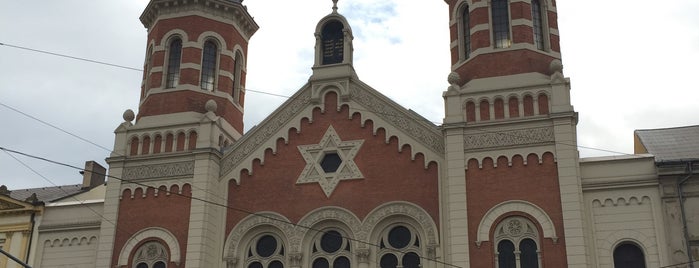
18,220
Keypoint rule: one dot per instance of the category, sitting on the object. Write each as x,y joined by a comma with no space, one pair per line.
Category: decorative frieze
159,171
495,139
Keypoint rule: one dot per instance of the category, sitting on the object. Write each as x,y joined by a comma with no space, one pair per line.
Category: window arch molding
171,68
521,241
210,62
152,254
249,228
647,244
537,214
142,236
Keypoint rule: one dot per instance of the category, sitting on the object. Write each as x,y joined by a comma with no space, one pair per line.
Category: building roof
670,144
48,194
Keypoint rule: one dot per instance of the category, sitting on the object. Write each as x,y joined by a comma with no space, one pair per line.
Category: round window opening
266,246
399,237
331,241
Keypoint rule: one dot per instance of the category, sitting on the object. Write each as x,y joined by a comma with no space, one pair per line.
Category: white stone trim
483,234
646,244
144,234
266,221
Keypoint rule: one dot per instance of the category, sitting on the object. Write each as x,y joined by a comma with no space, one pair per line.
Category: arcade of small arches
141,190
504,161
216,62
399,236
516,106
172,142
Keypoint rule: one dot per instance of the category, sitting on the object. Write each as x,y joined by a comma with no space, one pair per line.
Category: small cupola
333,49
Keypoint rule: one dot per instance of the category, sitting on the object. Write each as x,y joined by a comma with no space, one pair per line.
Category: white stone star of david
314,153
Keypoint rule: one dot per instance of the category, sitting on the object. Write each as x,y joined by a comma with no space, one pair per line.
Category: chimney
93,175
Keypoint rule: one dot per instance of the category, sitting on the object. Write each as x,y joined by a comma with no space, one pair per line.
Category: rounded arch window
399,247
516,243
265,251
208,65
151,255
629,255
332,46
331,249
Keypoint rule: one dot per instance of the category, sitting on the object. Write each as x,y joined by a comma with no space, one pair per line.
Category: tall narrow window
237,76
528,258
538,25
173,63
332,42
501,23
466,31
506,254
208,66
629,256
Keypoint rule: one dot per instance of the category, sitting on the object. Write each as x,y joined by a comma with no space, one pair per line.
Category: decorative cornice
401,119
77,225
264,132
159,170
508,138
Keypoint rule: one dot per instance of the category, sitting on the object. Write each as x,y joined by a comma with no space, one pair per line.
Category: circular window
276,264
341,262
399,237
411,260
255,265
331,241
266,246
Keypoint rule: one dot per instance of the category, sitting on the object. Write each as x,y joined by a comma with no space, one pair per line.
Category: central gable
410,129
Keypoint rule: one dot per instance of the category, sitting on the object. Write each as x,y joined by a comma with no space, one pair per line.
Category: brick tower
513,179
166,162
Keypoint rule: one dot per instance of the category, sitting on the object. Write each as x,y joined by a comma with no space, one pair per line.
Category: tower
164,165
512,178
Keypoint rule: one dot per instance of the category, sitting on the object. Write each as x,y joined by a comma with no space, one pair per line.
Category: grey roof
48,194
671,144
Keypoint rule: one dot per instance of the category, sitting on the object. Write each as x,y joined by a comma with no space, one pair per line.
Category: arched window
501,23
538,24
237,76
466,32
146,71
331,250
173,63
265,251
516,240
333,42
628,255
208,65
151,255
400,246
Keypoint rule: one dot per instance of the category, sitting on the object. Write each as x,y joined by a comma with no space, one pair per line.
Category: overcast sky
632,65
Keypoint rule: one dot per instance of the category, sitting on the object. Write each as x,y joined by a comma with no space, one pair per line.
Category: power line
217,204
70,57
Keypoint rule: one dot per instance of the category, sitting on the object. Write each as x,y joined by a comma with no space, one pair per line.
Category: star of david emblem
330,161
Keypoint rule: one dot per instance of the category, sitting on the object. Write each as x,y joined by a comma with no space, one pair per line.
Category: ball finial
556,66
128,115
211,106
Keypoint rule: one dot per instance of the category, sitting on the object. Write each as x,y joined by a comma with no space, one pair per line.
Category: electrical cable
7,150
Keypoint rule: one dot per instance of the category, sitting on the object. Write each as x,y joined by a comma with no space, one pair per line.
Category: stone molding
71,241
494,139
408,123
391,212
153,232
543,219
159,171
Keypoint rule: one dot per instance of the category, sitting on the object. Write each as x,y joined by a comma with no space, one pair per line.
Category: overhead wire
8,150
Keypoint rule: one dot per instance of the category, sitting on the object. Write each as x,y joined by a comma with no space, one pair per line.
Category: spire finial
334,6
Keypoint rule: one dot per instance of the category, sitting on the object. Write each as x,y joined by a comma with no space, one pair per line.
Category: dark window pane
173,63
321,263
399,237
506,254
501,23
537,24
255,265
275,264
528,257
331,242
466,27
332,42
208,66
142,265
389,261
341,262
159,265
629,256
411,260
330,162
266,246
